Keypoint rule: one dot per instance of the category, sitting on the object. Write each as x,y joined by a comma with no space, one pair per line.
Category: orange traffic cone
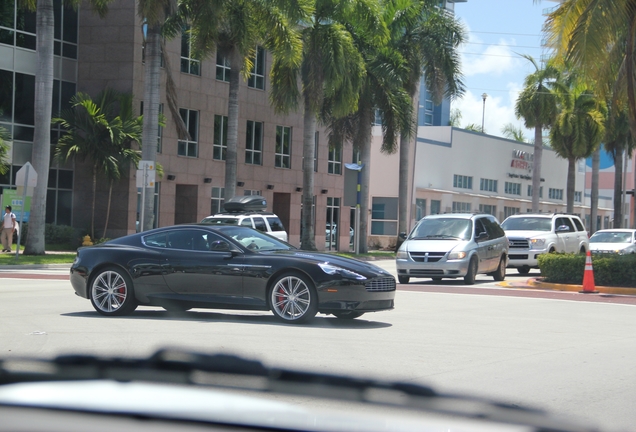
588,276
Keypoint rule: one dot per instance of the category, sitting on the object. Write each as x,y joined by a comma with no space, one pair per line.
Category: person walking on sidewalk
8,228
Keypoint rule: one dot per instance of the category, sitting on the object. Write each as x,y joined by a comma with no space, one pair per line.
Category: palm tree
577,130
512,132
331,74
4,150
536,104
383,90
428,39
41,154
101,131
234,28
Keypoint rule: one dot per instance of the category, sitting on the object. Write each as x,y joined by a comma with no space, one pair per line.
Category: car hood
526,234
344,262
432,245
610,246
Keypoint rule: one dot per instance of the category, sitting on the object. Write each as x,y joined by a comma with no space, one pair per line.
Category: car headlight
457,255
402,254
537,242
332,270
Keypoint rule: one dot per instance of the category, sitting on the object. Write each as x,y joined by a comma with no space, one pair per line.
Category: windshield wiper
439,236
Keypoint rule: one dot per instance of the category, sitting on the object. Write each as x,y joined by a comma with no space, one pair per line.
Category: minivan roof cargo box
247,203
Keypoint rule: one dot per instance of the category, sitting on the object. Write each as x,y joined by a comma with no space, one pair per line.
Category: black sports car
226,267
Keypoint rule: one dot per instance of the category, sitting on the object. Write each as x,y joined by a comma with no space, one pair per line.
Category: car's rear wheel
112,292
404,279
469,279
348,314
500,273
583,251
293,298
437,279
523,270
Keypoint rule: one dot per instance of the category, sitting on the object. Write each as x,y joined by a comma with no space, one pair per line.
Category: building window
59,197
377,118
384,219
254,143
217,200
222,67
248,192
257,74
334,165
487,208
283,147
540,191
189,64
509,211
420,208
555,194
461,207
220,137
429,105
333,219
488,185
513,188
189,147
155,222
462,182
428,119
578,197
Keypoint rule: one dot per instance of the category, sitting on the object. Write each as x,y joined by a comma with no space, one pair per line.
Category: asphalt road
568,356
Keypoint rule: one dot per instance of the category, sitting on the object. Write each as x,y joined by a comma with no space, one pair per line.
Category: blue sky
497,30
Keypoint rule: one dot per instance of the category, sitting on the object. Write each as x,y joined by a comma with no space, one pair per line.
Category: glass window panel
65,179
22,152
23,133
64,207
70,51
57,16
52,178
70,25
6,37
50,206
24,112
57,48
383,228
26,21
6,95
7,12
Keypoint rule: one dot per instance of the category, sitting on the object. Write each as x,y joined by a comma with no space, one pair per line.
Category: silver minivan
456,245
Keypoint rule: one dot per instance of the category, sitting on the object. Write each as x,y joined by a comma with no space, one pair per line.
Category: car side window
156,240
479,227
564,221
578,224
259,224
492,228
275,224
247,222
188,240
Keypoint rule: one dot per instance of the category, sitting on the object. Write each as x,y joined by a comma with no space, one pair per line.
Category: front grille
519,243
380,284
427,256
519,256
424,272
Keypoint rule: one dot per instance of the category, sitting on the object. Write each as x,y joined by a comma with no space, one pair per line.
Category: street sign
147,164
146,178
22,179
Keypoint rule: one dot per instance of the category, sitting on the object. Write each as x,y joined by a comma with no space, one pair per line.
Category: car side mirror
402,235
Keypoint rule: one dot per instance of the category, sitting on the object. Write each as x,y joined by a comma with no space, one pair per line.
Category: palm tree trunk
618,189
365,157
405,187
232,124
41,154
536,167
571,185
152,88
94,199
307,242
596,163
110,195
629,62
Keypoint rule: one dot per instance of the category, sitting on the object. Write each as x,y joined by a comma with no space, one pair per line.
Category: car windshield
443,228
255,240
220,221
611,237
527,224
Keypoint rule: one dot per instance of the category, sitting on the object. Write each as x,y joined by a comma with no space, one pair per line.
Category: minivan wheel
404,279
469,279
500,273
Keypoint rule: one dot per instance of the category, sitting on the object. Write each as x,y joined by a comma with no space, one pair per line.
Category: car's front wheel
469,279
348,314
403,279
112,292
523,270
293,298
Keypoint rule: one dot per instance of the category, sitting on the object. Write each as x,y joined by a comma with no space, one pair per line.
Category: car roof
629,230
239,214
455,215
543,215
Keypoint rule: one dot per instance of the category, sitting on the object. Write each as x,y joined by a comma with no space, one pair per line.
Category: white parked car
613,241
533,234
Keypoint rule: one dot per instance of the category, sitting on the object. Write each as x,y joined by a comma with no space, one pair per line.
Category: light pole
483,112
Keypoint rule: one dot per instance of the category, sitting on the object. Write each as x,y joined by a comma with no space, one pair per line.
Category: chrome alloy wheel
291,299
109,291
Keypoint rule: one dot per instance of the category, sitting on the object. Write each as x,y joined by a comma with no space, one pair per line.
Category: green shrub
55,234
614,270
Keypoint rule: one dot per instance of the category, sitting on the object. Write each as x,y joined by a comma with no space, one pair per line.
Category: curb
34,266
538,284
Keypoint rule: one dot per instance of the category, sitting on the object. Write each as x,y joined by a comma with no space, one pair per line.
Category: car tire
583,251
469,279
500,273
303,304
348,314
403,279
436,279
176,308
112,292
523,270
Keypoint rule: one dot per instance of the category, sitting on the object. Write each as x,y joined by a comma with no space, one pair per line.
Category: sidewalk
537,283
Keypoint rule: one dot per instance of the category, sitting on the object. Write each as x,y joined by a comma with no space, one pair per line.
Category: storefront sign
522,160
